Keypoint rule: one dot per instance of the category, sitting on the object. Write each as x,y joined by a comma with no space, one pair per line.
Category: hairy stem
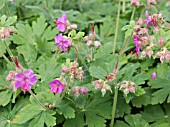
7,60
117,26
9,51
114,107
81,46
36,99
83,62
133,13
124,6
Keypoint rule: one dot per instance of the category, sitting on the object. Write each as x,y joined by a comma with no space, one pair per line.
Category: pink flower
62,42
161,41
56,86
153,75
135,2
136,42
132,89
10,76
83,90
61,22
151,1
25,80
77,90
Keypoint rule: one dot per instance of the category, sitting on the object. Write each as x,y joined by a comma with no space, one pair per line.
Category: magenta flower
136,42
25,80
61,22
150,19
56,86
153,75
62,42
147,20
83,90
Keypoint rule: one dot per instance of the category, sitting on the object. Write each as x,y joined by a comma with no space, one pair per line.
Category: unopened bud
97,43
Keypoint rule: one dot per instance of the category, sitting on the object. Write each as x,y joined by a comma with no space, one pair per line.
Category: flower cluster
73,71
145,42
63,24
91,39
24,80
163,55
137,3
127,86
112,76
79,89
5,33
101,84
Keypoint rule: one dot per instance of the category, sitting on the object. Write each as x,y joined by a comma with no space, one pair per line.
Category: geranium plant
77,68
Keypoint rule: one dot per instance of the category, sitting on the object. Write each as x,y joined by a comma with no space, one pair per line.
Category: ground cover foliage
78,63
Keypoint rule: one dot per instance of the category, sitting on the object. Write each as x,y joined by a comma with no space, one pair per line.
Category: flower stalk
133,13
83,62
117,26
7,60
9,51
114,107
37,100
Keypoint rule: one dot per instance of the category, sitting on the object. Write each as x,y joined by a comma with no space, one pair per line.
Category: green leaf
132,121
32,110
37,116
153,113
6,22
79,35
97,72
78,121
93,112
144,99
8,113
162,90
5,97
39,40
66,110
122,107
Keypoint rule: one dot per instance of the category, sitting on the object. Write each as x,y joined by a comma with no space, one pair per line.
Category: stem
83,62
114,107
7,60
9,51
117,26
124,6
61,4
91,53
133,13
36,99
7,9
125,43
81,46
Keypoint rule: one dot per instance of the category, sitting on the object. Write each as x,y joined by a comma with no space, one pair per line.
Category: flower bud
97,43
161,41
10,76
153,75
